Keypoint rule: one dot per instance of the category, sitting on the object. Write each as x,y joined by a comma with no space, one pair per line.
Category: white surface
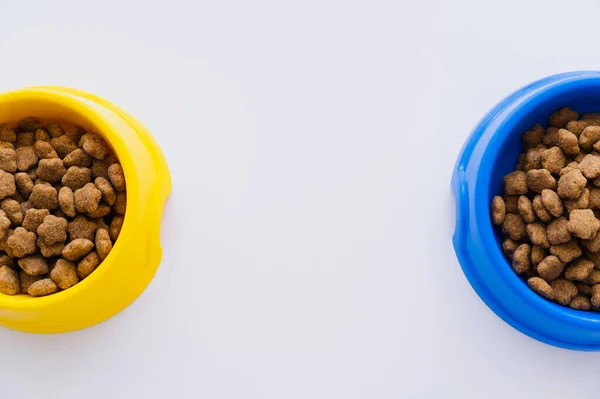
307,248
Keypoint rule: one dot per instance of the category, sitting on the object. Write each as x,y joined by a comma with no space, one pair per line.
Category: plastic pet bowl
136,254
489,153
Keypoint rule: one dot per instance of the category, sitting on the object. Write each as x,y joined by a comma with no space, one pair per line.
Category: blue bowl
489,153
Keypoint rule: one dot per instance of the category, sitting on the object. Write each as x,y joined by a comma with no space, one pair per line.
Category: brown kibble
8,160
525,208
7,184
101,211
509,246
101,224
121,203
79,158
63,145
66,200
26,281
561,117
34,265
571,166
94,145
538,254
6,260
596,295
115,173
25,139
44,150
42,287
533,159
589,137
521,261
100,167
4,224
51,170
550,139
590,166
576,127
539,208
78,248
34,218
77,177
593,278
24,184
594,202
7,134
21,243
583,223
566,252
550,268
44,196
568,142
513,226
104,245
81,227
571,184
537,234
552,202
515,183
12,210
49,250
64,274
564,291
117,223
53,229
579,269
509,200
87,198
580,302
582,202
533,136
583,288
540,179
541,287
41,135
54,129
9,281
553,160
87,265
30,124
109,196
26,158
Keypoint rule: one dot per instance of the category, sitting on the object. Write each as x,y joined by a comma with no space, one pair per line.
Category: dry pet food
549,213
63,200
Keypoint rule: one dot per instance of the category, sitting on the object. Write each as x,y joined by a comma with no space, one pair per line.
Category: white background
307,240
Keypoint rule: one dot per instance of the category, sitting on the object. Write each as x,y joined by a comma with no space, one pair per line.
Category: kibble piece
580,302
550,268
51,170
13,211
593,278
571,166
539,208
582,202
553,160
53,229
7,134
77,177
44,196
564,291
66,201
81,227
550,139
594,202
7,184
49,250
25,139
63,145
94,145
109,196
589,137
513,226
42,287
104,245
568,142
515,183
6,260
41,135
26,158
77,249
540,179
583,223
576,127
583,288
533,136
24,184
75,134
552,202
533,159
537,234
596,295
571,184
101,211
525,208
117,223
590,166
44,150
87,198
538,254
87,265
579,269
566,252
30,124
121,203
55,129
21,243
4,224
9,281
26,281
8,160
509,200
561,117
34,218
79,158
101,224
64,274
521,261
509,246
100,167
34,265
541,287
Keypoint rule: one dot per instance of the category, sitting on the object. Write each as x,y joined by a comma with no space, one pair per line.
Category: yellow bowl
133,261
